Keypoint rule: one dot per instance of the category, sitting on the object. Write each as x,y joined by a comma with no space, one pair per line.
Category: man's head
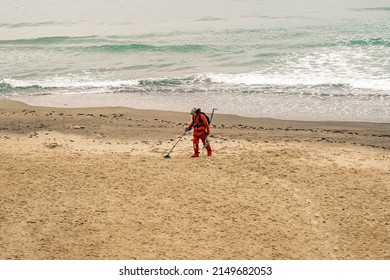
193,111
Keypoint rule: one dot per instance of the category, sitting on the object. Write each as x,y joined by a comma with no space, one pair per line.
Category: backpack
207,117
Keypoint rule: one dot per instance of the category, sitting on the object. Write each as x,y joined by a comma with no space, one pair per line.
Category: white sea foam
69,82
296,79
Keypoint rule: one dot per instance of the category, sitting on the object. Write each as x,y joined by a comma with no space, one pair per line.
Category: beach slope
93,184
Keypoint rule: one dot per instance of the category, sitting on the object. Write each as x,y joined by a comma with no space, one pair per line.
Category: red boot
196,153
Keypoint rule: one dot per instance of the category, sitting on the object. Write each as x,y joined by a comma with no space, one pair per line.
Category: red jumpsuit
201,131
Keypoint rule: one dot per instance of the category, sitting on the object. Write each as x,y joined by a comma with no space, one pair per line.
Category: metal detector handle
212,114
207,136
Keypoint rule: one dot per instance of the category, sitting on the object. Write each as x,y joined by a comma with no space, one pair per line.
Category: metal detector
168,154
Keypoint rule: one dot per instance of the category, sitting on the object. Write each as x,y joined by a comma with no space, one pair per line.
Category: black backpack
207,117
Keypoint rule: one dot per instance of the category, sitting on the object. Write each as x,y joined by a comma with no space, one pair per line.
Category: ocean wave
63,82
32,24
244,83
82,84
355,42
190,80
100,44
5,86
385,9
50,40
149,48
15,89
299,80
365,42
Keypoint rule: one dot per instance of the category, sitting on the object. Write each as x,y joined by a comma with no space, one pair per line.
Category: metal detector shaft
167,155
211,120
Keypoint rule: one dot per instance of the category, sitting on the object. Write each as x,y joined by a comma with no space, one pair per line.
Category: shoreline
356,133
305,112
92,183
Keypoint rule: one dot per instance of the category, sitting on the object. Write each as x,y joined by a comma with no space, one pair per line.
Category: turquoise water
302,59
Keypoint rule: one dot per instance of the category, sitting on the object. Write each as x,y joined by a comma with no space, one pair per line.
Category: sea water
288,59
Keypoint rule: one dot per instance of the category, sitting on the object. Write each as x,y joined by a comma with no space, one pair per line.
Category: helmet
195,111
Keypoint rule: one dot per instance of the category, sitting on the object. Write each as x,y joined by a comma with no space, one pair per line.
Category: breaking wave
245,83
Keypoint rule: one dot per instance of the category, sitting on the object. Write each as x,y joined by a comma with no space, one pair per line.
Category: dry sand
93,184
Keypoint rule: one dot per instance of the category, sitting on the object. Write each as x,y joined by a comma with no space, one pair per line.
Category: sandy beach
93,184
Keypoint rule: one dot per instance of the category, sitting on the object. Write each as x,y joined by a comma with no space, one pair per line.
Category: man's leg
207,145
195,141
